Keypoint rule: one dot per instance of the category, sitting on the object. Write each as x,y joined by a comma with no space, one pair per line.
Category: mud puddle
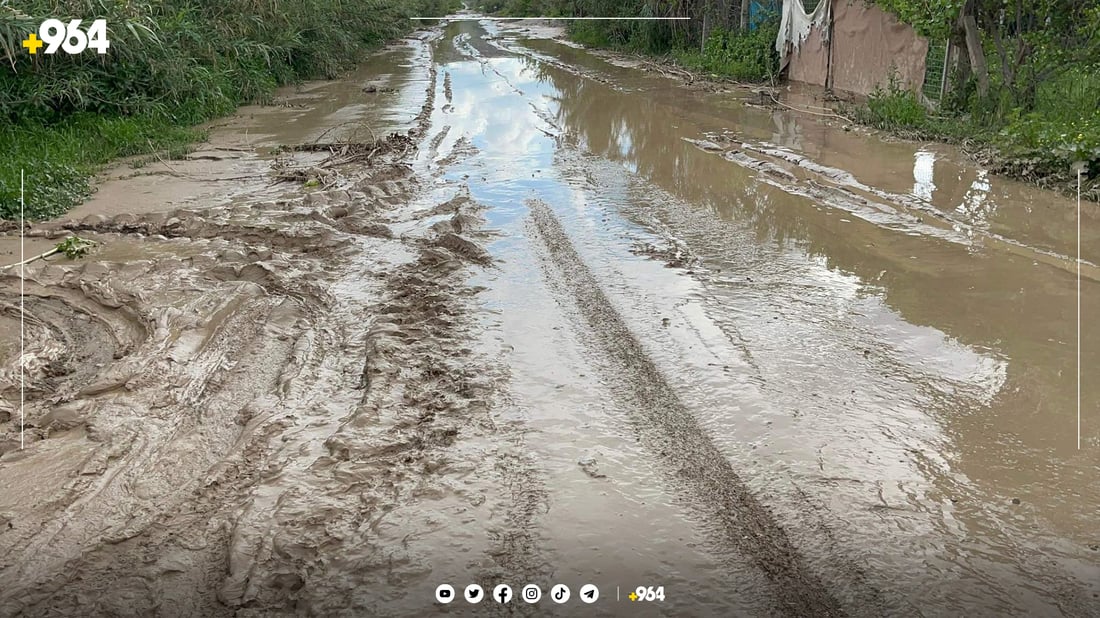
858,369
548,333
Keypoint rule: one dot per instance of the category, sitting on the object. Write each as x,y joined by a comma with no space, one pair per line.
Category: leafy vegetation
74,247
1025,81
172,64
893,107
740,54
931,18
719,37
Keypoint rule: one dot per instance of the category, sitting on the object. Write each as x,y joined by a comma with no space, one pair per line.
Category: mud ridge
424,118
670,429
840,189
358,516
163,369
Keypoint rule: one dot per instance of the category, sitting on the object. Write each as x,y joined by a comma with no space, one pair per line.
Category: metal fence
935,72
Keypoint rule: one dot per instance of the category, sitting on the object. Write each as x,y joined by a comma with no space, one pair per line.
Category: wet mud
672,432
497,309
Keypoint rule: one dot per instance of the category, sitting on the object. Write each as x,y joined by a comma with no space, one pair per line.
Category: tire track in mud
278,425
515,549
156,420
395,467
355,527
514,545
327,530
179,407
668,428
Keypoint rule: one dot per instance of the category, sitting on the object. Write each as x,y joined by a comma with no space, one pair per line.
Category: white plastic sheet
795,24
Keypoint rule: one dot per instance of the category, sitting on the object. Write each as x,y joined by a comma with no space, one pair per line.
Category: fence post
703,35
829,53
943,74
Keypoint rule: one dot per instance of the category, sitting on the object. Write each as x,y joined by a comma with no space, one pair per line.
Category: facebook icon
502,593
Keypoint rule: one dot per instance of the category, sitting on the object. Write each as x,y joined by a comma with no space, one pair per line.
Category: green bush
894,107
1064,126
748,55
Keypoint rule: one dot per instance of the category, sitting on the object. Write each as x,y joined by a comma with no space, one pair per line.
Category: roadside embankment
171,66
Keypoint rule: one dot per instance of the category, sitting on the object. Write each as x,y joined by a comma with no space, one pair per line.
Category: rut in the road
669,428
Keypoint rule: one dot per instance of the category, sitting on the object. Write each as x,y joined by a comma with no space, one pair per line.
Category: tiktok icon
559,593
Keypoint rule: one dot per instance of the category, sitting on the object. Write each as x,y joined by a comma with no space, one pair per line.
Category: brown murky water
599,328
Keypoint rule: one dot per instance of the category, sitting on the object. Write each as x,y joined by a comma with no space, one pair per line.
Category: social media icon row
530,593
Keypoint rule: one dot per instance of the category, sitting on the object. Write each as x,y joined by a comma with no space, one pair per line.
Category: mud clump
591,467
673,256
456,224
374,89
464,248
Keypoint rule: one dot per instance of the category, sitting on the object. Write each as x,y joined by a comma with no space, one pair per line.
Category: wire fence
935,73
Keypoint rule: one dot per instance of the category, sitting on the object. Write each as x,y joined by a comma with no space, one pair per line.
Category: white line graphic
22,313
557,18
1079,170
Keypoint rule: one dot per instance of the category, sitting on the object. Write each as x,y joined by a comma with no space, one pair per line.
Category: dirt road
571,321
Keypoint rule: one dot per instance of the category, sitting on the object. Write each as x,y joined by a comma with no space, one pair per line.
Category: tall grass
172,64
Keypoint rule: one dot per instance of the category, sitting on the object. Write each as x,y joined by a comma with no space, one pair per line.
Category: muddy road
497,309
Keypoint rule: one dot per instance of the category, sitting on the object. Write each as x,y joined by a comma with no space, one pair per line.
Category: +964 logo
55,35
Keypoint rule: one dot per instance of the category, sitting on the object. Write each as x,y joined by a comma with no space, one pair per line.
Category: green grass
58,159
172,64
894,108
1040,145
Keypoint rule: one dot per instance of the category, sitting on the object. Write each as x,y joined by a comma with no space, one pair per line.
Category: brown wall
809,61
867,45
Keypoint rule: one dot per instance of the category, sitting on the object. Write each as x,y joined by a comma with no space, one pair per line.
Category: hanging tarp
795,24
761,11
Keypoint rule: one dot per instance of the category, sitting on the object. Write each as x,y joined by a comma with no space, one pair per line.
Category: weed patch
744,55
1040,146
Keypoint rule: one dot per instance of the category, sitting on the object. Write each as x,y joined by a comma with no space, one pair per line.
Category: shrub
748,55
894,107
1051,143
